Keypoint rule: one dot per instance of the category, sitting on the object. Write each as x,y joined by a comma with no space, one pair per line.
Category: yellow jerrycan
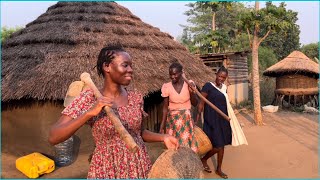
34,165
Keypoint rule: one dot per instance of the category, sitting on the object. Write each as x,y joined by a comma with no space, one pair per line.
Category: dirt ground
286,147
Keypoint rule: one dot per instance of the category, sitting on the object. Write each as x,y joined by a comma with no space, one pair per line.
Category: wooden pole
125,136
205,100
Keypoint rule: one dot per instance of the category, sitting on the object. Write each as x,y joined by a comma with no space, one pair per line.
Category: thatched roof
294,63
41,60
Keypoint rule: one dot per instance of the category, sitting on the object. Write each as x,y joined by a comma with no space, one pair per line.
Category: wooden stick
125,136
205,100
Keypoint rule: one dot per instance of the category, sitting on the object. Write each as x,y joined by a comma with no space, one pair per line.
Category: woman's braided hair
106,55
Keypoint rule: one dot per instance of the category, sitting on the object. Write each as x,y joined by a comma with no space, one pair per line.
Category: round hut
296,80
40,61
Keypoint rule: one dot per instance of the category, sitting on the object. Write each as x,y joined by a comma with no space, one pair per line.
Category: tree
185,39
285,40
214,6
267,58
206,16
253,22
311,50
6,32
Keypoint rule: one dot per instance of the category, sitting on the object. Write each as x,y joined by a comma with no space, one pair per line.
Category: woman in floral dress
111,157
176,118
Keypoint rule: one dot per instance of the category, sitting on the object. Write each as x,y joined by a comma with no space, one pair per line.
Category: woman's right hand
171,142
100,103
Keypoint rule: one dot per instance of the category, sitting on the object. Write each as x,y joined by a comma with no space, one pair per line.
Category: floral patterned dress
111,157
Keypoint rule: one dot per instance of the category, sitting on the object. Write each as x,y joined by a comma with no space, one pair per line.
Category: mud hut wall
296,81
29,127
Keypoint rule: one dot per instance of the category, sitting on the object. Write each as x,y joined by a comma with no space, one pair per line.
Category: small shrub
245,104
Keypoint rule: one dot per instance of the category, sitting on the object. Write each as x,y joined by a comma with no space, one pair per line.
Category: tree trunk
213,21
255,74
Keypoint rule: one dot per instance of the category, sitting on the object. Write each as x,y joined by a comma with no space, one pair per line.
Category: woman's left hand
171,142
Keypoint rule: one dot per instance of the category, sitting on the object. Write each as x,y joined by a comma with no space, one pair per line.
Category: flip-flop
224,176
207,169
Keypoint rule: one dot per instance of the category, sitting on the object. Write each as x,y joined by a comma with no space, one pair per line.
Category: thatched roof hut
294,63
297,76
41,60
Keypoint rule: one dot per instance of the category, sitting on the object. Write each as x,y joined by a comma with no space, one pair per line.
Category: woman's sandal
224,176
207,169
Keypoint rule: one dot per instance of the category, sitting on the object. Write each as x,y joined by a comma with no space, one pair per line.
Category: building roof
297,63
41,60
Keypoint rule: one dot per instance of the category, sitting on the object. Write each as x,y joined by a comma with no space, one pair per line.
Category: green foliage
231,28
267,87
267,58
240,42
199,37
311,50
7,32
271,18
222,10
286,38
185,39
245,104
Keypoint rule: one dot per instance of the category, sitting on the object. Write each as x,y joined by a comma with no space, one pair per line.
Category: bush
311,50
7,32
245,104
267,87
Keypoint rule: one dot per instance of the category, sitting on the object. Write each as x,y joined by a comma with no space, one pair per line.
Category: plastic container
270,108
64,152
34,165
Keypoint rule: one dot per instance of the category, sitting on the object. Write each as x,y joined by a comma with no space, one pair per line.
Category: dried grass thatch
41,60
294,63
177,164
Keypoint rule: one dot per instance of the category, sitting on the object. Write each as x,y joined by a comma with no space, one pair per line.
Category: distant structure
237,65
296,80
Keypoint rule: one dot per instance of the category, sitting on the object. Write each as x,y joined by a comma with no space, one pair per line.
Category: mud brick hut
237,64
40,61
296,80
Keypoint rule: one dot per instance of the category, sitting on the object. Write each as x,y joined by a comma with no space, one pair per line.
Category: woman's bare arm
164,113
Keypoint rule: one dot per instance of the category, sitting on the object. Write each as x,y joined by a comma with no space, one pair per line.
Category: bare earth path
287,147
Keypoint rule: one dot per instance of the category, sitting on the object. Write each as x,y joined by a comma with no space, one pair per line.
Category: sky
168,16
